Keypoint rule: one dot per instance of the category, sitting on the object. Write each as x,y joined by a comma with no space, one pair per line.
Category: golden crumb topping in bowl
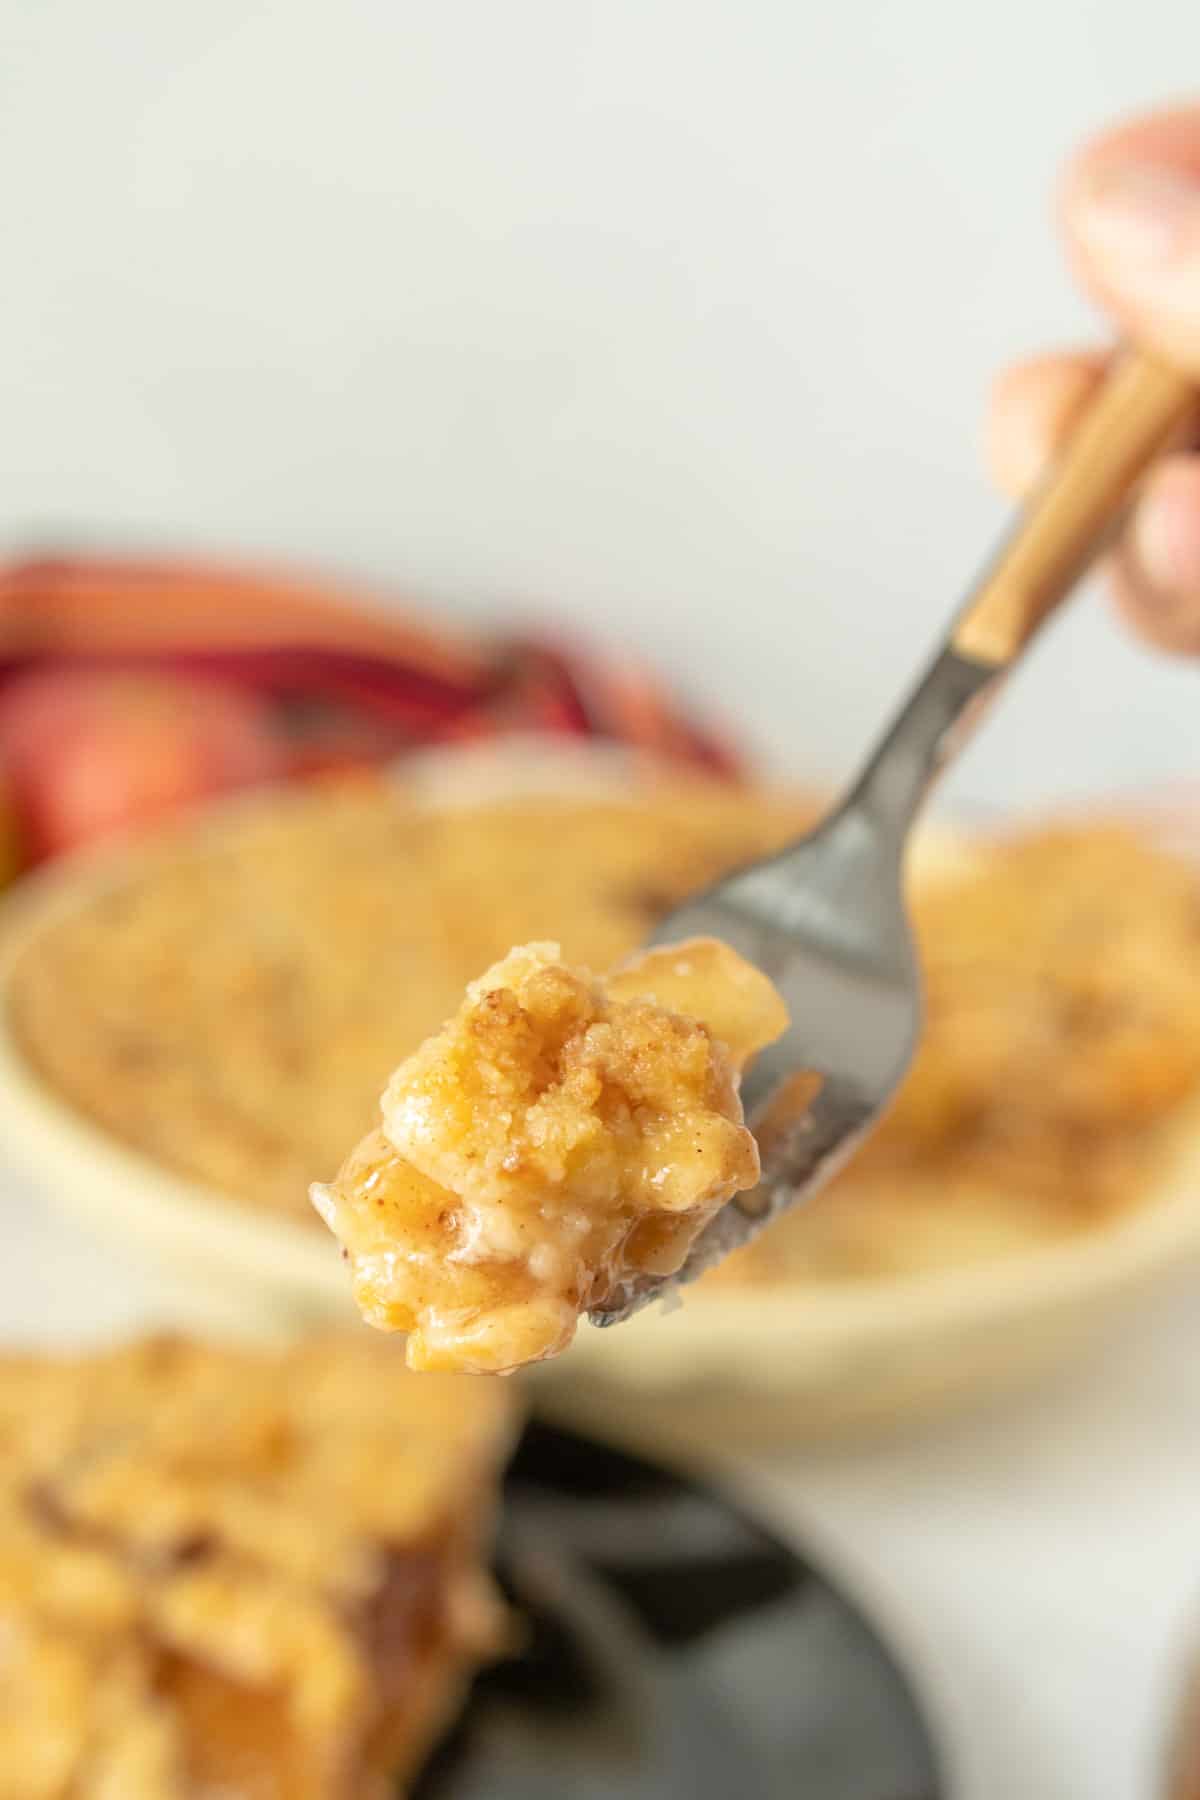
230,1003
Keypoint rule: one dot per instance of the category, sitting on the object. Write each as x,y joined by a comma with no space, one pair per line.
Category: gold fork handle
1141,406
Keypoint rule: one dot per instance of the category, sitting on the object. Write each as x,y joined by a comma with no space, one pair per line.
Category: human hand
1130,211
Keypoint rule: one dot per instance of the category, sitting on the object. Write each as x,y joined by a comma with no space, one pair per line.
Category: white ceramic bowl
763,1365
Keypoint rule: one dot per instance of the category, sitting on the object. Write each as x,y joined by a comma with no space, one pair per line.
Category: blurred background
677,319
648,343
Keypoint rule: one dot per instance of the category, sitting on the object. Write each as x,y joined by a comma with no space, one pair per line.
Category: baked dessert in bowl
253,1573
226,1001
1040,1162
194,1030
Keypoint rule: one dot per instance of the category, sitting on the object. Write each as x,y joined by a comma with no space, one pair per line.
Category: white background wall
674,313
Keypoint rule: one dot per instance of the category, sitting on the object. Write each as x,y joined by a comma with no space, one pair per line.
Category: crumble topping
232,1007
561,1135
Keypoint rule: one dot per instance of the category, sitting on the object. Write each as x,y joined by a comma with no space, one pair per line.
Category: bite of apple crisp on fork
560,1136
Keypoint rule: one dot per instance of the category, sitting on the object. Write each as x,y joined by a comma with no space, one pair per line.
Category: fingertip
1167,138
1166,526
1157,570
1129,208
1033,406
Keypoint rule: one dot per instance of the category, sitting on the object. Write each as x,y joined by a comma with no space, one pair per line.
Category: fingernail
1142,211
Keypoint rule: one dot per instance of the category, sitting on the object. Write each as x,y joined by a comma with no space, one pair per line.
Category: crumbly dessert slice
559,1137
234,1573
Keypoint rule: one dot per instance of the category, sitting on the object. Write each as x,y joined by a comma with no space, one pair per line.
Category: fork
826,918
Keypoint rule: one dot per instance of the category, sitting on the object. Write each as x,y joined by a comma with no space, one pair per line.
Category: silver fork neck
921,741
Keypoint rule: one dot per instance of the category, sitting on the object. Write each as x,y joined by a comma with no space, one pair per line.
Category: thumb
1131,211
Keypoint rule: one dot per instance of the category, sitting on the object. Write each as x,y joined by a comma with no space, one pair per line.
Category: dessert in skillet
252,1575
560,1136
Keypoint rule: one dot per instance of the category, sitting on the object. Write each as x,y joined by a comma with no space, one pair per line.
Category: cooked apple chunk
560,1136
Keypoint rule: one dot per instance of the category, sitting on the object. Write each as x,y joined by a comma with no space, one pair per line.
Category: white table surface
1039,1567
